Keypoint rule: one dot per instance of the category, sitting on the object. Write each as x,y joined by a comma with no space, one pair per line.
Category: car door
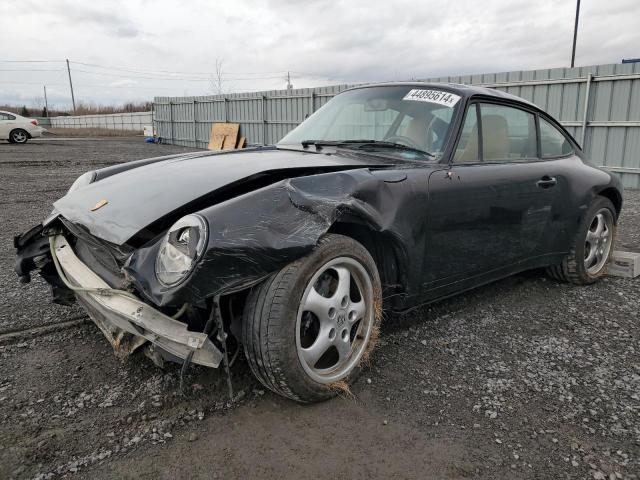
4,126
490,208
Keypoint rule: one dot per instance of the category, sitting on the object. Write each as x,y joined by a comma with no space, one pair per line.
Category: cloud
82,14
123,83
320,41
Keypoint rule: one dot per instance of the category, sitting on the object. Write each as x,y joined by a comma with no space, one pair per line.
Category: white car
18,129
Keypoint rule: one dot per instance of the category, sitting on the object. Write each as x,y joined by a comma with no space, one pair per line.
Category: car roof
463,90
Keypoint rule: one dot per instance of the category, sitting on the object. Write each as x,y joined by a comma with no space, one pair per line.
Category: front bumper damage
126,321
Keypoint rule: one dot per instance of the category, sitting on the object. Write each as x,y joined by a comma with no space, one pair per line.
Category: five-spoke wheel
307,328
18,136
598,241
335,319
592,245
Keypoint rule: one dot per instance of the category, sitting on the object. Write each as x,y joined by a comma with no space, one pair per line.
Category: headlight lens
82,181
181,247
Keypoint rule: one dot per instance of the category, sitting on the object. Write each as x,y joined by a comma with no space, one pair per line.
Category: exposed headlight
181,248
82,181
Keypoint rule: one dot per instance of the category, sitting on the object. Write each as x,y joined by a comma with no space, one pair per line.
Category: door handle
546,182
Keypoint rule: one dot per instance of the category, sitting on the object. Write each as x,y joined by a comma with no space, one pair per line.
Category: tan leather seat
417,131
495,138
470,153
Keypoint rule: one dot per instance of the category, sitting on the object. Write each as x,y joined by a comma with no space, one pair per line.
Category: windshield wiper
363,144
331,143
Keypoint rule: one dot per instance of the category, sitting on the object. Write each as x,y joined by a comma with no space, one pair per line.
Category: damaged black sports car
388,197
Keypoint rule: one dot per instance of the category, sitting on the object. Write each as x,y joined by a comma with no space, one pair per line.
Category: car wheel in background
592,248
308,328
18,136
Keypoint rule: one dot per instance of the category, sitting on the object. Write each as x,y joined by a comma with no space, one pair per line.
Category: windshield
377,118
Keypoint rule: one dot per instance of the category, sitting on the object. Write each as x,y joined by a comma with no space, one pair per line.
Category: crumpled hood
138,197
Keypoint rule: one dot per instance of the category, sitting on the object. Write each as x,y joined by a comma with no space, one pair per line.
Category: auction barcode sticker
433,96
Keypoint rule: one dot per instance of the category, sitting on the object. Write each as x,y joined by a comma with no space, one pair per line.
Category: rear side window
552,141
508,134
6,116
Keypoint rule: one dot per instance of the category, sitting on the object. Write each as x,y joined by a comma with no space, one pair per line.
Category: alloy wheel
598,241
19,136
335,320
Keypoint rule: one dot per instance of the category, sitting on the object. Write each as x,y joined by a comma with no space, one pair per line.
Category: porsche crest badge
100,204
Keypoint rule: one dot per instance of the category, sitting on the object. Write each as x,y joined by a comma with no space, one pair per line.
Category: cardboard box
624,264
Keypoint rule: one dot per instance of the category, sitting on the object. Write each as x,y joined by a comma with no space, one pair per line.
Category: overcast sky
130,50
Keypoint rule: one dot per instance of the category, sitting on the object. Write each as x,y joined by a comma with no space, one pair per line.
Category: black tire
18,135
270,316
572,268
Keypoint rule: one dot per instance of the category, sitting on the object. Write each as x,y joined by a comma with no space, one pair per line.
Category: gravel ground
524,378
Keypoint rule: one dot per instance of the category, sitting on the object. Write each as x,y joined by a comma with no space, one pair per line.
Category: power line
31,70
189,79
160,73
31,61
134,74
31,83
139,70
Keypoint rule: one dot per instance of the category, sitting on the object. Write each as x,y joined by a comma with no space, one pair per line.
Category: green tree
24,112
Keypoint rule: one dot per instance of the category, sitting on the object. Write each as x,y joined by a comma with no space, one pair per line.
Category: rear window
553,143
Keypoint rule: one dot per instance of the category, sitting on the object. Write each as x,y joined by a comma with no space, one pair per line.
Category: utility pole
575,34
46,104
289,86
73,99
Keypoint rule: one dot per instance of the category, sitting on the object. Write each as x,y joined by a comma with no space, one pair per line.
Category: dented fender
256,234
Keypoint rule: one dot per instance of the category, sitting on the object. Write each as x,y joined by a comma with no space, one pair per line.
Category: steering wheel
402,140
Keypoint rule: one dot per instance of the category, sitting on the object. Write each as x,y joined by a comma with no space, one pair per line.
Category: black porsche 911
388,197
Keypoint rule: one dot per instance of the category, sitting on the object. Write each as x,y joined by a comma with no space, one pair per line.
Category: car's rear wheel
308,328
593,245
18,136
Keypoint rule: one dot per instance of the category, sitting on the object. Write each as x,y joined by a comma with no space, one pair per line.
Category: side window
4,116
552,142
467,149
508,134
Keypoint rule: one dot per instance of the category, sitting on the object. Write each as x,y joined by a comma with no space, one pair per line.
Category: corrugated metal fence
264,117
134,121
599,105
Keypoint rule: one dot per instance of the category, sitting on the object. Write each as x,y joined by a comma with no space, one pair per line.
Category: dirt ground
524,378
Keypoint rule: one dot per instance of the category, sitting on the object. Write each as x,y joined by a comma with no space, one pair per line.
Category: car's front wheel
593,245
308,328
18,136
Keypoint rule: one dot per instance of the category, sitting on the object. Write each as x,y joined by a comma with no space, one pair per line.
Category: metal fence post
225,109
171,121
195,126
586,111
264,120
